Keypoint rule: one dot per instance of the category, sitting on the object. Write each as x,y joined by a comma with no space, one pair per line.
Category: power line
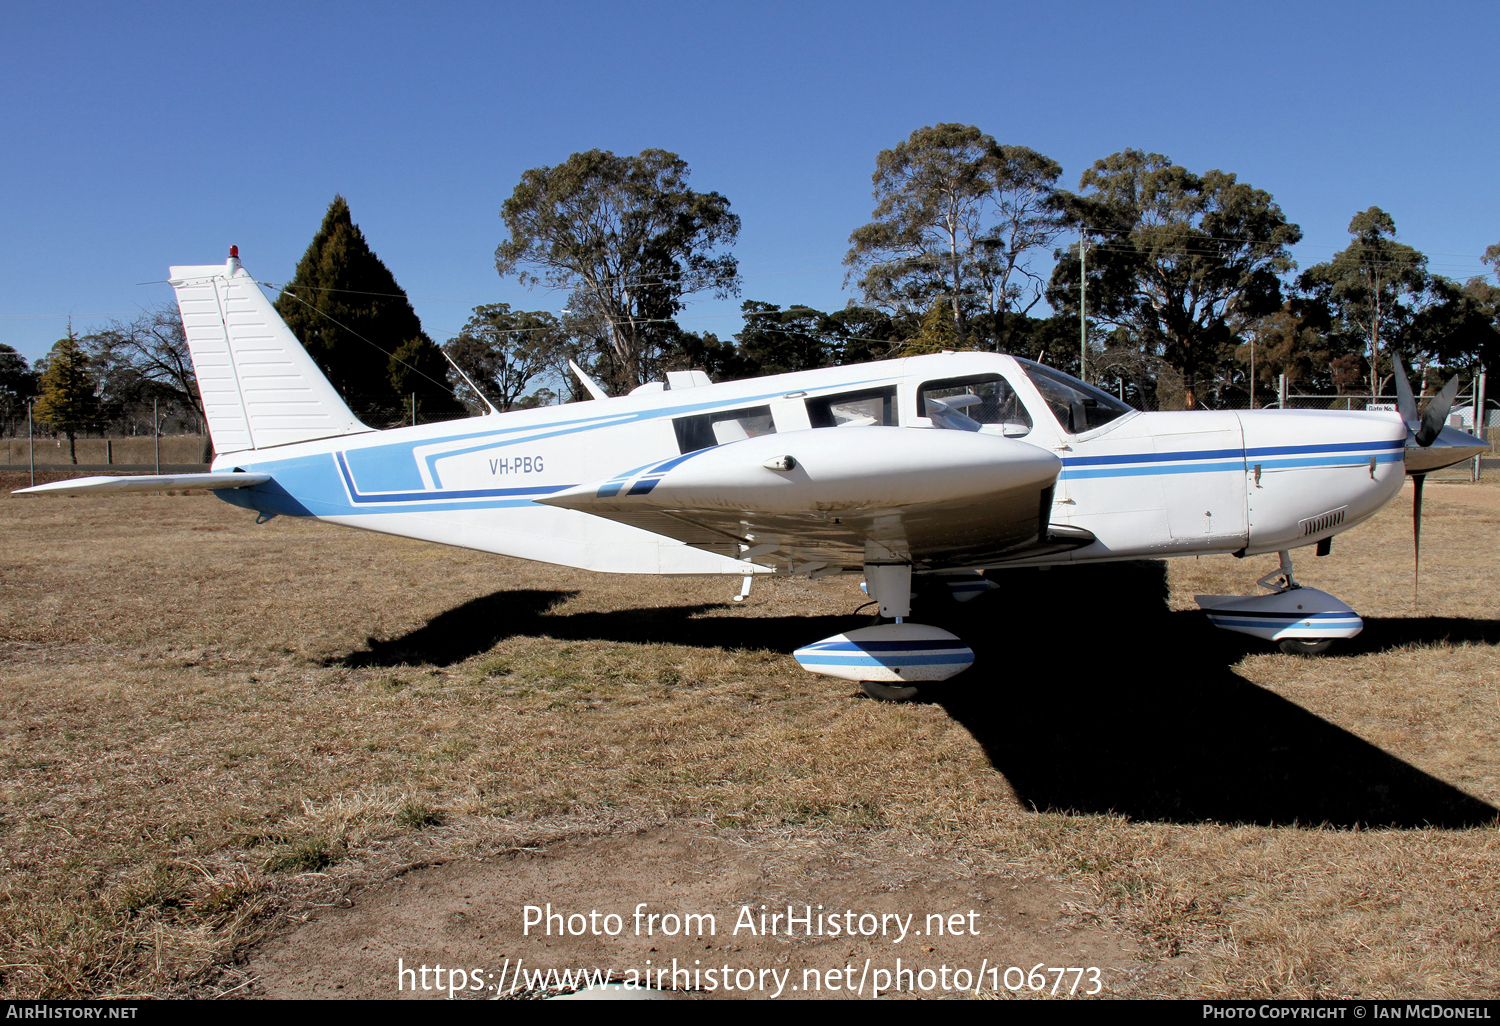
1198,236
389,356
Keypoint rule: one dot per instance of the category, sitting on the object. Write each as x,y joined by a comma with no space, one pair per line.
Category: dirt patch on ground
472,916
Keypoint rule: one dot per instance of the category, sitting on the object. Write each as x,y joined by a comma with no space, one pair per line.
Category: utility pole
1252,370
1083,317
156,431
1479,426
31,440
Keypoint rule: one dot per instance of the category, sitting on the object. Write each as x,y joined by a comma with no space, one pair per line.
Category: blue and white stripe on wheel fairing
1330,621
889,660
885,653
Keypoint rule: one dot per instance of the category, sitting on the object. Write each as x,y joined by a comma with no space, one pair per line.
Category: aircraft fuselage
1143,484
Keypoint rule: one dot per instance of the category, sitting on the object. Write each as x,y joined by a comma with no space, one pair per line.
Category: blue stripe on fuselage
316,480
1212,461
359,498
309,480
615,420
1155,457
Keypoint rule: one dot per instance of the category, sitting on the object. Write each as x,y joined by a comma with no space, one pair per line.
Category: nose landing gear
889,659
1302,621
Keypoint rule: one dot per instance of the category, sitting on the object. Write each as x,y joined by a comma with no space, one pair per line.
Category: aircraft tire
1305,647
887,692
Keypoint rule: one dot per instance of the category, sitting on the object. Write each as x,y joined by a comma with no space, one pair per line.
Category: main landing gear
1302,621
889,659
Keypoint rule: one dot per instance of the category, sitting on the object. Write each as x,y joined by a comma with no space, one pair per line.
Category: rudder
260,387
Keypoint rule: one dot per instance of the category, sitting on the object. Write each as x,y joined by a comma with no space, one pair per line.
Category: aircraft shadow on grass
1084,702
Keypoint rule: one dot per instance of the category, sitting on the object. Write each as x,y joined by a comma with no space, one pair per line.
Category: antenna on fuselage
588,382
454,364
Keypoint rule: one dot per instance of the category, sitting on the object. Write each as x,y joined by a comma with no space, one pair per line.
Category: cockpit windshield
1077,405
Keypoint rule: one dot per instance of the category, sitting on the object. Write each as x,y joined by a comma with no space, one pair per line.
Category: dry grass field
212,730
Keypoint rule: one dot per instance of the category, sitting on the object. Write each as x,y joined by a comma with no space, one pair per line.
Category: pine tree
938,332
412,369
67,399
347,310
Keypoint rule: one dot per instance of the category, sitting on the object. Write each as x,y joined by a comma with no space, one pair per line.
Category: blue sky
138,136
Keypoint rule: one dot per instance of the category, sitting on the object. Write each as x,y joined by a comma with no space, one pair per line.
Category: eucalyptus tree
1026,218
1177,257
923,242
629,240
504,351
17,384
1486,299
151,354
1459,327
1288,342
777,341
1372,288
956,218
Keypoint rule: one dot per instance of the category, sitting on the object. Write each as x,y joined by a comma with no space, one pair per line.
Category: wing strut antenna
588,382
454,364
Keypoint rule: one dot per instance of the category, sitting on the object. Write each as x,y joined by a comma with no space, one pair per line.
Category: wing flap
699,536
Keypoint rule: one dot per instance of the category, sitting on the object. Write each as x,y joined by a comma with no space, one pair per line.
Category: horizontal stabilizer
145,483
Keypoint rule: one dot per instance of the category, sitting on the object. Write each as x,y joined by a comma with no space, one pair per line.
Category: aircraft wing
826,500
144,483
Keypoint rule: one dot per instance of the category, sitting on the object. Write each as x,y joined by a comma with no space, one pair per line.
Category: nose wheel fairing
1304,614
1291,614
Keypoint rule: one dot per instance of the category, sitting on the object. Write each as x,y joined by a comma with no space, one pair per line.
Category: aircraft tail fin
260,387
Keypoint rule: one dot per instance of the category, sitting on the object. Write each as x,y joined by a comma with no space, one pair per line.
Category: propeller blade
1437,413
1416,533
1404,401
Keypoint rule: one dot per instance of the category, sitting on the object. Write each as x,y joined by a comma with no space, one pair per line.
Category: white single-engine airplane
943,465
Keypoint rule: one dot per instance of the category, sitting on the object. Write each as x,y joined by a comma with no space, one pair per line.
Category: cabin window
872,407
1078,406
974,402
721,427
